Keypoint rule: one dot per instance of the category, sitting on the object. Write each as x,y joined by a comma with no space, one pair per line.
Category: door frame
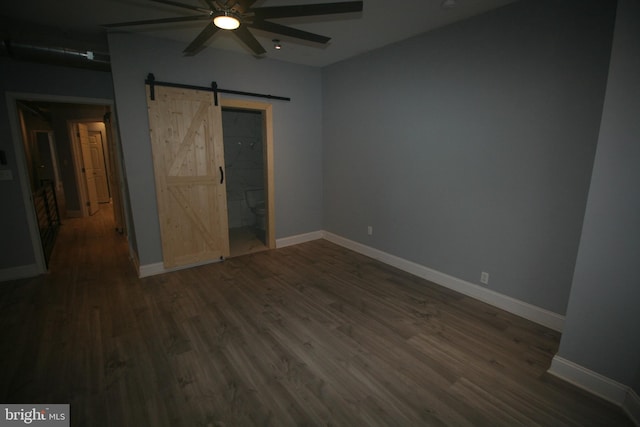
267,130
39,266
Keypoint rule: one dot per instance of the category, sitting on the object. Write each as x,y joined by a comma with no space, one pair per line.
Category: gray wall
470,148
19,77
297,126
602,328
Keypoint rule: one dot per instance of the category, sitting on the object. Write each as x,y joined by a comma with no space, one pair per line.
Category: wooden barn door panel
188,159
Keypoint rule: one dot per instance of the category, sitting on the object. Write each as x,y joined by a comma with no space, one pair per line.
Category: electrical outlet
370,230
484,278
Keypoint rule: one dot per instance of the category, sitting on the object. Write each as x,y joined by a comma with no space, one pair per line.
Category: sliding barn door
188,160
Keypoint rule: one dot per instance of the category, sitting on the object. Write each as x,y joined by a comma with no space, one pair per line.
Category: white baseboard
520,308
300,238
597,384
589,380
20,272
158,268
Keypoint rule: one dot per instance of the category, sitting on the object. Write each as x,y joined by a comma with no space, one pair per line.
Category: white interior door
88,169
99,166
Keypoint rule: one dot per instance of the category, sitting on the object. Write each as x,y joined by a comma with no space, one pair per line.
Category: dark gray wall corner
602,331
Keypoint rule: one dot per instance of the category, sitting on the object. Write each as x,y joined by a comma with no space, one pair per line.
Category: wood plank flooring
308,335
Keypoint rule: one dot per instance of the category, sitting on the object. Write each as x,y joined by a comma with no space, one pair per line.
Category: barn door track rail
152,82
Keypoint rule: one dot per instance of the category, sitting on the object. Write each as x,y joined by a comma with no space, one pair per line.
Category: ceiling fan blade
246,4
182,5
307,10
198,43
247,38
157,21
288,31
210,4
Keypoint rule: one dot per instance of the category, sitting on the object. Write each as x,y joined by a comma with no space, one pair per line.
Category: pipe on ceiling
56,55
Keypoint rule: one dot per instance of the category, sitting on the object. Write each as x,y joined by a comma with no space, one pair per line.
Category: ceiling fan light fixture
241,18
226,21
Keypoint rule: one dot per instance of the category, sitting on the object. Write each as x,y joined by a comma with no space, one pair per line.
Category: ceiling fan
240,15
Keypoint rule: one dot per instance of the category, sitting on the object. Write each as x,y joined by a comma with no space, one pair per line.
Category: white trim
520,308
597,384
300,238
20,272
631,406
158,268
589,380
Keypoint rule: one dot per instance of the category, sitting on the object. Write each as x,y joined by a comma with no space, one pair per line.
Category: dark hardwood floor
306,335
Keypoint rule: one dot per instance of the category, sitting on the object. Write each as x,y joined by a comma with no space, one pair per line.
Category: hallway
56,322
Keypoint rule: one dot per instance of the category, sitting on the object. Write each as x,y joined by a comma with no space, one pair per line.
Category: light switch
6,175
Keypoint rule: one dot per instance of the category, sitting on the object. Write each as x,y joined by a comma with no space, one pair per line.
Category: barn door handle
221,175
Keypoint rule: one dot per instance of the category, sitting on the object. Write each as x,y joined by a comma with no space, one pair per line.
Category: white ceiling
382,22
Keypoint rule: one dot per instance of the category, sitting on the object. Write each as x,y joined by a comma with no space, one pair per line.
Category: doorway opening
56,175
248,158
